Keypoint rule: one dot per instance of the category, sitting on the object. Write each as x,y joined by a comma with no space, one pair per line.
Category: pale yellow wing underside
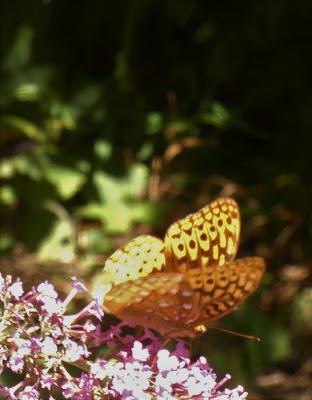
138,258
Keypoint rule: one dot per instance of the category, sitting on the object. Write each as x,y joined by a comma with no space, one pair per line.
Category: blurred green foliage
117,119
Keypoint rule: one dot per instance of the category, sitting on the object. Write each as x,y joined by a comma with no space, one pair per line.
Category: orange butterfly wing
230,286
165,302
161,301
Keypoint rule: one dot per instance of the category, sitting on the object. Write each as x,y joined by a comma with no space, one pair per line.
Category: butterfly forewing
196,244
136,259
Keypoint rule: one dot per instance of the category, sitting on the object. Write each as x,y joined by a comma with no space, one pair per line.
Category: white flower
49,348
138,353
24,347
29,393
113,368
98,369
16,289
89,326
134,378
165,362
74,351
162,384
51,305
2,284
178,376
236,394
47,289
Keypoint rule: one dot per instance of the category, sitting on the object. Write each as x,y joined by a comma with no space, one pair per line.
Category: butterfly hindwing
162,301
230,286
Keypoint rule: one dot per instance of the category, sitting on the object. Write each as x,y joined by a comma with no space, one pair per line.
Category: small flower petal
16,289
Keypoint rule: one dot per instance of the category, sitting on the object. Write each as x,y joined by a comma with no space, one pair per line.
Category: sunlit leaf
22,164
109,189
67,181
137,179
58,245
64,114
27,91
91,211
117,217
94,240
29,129
7,195
102,149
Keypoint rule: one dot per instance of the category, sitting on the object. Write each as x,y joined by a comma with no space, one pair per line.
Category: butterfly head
187,332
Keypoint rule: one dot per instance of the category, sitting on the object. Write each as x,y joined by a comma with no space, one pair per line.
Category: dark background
117,118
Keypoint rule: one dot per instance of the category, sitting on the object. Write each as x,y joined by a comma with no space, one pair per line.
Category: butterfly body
179,285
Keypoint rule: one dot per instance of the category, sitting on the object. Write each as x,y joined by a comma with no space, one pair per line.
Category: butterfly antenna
237,333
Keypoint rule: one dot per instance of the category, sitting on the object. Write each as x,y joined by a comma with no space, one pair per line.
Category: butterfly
179,285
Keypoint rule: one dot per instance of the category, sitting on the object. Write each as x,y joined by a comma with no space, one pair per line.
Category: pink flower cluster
51,355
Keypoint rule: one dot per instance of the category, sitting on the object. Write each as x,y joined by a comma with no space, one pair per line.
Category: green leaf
94,241
145,151
154,123
102,149
6,240
20,52
137,179
67,181
29,129
87,96
27,91
58,245
116,217
109,189
216,115
91,211
64,115
280,342
302,309
7,195
150,213
22,164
